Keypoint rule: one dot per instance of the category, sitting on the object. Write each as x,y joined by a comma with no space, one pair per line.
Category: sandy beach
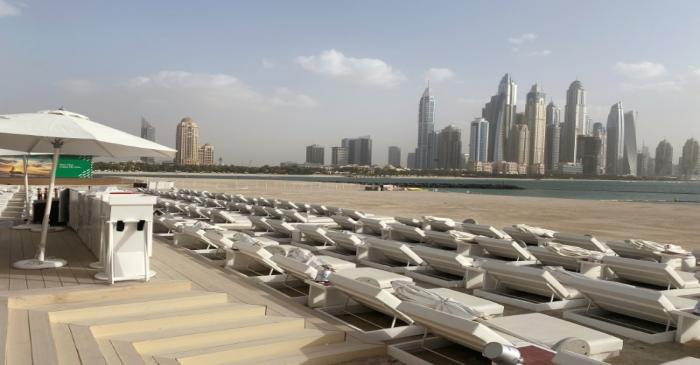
661,222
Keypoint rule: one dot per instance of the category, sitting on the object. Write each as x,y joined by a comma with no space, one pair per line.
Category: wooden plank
63,340
88,349
35,279
4,261
19,347
4,313
43,348
18,279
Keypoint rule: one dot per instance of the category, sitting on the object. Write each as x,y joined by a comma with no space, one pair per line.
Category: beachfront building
187,142
520,144
394,156
591,156
205,155
574,121
505,168
664,159
426,128
615,141
500,111
536,118
148,132
479,140
359,150
690,159
315,155
339,156
449,152
629,156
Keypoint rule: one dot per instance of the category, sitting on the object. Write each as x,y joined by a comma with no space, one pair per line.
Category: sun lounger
531,288
375,225
660,252
581,240
198,212
307,267
458,240
569,257
528,234
260,224
213,203
272,212
413,222
312,237
347,223
319,209
294,216
402,232
439,224
655,274
389,255
446,268
483,230
192,235
462,321
173,223
354,214
503,249
283,228
254,257
225,216
646,315
346,245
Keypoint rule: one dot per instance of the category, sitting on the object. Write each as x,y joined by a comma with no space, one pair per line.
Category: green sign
74,167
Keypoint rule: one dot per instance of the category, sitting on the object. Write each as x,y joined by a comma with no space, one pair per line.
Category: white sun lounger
472,328
402,232
649,250
458,240
661,275
172,224
305,271
581,240
295,216
283,228
260,224
255,257
531,288
483,230
446,268
273,212
642,314
312,237
347,223
346,245
389,255
352,213
503,249
528,234
440,224
413,222
192,235
375,225
319,209
224,216
571,258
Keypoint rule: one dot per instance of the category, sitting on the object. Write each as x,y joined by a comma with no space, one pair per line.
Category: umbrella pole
40,262
27,198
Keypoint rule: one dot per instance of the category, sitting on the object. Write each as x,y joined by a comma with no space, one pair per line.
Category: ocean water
640,191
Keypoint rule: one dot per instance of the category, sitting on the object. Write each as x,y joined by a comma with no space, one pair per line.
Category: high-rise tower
536,117
426,126
479,140
615,146
500,112
629,158
186,142
664,159
574,121
148,132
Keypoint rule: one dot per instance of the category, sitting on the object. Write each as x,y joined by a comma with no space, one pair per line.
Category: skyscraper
360,151
520,144
479,140
187,142
574,121
315,155
643,162
615,145
536,117
629,157
690,160
551,157
664,159
591,156
147,132
339,156
553,113
205,154
599,131
411,160
394,156
449,148
426,126
500,112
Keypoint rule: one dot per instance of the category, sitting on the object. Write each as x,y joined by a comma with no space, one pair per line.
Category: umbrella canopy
60,131
36,132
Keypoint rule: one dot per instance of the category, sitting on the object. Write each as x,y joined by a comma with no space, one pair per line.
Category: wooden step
19,346
170,320
324,355
247,352
4,325
210,336
92,293
134,306
42,344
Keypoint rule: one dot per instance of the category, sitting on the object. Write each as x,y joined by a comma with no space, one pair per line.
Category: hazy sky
263,79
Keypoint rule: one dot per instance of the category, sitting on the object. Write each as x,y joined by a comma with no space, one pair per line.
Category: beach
662,222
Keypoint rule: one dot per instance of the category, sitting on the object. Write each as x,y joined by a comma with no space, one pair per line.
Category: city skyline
227,80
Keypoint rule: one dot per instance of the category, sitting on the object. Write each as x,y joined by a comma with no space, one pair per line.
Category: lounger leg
393,322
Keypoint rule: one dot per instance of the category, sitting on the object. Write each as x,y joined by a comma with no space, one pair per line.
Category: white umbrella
59,131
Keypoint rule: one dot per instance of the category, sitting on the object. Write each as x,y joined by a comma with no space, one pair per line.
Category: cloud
78,86
438,74
540,53
267,63
7,9
668,85
368,71
641,71
522,38
218,90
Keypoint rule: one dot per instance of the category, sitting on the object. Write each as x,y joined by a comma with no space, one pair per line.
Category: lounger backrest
395,250
581,240
362,291
295,268
281,227
463,331
444,260
550,258
483,230
504,248
409,232
345,222
374,225
354,214
259,253
518,235
527,279
624,249
648,272
440,224
650,305
260,223
346,240
413,222
315,234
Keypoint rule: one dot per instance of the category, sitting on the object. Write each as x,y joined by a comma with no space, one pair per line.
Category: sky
263,79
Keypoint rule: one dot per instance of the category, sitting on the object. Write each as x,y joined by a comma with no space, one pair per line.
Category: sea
618,190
